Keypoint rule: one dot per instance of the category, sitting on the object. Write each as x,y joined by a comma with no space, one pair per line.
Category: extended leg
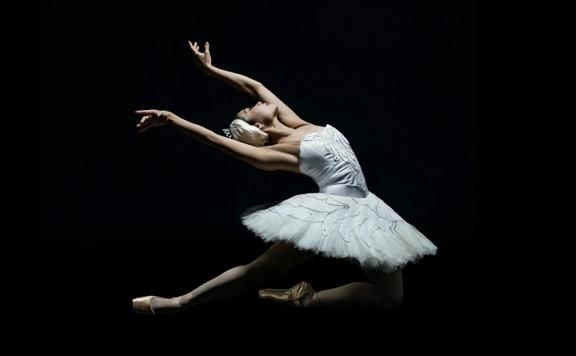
278,259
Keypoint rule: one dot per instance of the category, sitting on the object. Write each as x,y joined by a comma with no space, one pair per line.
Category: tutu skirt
364,230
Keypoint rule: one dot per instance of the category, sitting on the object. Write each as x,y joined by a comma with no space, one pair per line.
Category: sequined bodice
328,159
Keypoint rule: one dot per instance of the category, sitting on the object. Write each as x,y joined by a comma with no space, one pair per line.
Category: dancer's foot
156,305
302,295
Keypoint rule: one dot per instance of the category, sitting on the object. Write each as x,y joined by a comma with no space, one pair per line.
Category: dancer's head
250,124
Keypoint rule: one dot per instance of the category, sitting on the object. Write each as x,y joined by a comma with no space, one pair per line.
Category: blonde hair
242,131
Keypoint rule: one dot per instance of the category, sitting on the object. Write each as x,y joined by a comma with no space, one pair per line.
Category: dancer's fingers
207,47
143,127
192,46
145,112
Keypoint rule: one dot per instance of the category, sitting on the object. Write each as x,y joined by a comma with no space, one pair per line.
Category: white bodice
328,159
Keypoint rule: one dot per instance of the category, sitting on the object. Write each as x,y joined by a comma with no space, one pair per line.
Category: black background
128,214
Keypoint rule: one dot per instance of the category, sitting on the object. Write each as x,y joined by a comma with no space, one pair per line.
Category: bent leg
383,292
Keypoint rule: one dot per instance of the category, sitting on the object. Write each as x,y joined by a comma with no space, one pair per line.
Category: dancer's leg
278,259
384,292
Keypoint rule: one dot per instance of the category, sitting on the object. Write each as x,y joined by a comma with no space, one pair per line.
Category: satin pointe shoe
302,295
142,305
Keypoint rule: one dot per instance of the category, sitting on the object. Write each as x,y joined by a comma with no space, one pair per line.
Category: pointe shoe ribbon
301,295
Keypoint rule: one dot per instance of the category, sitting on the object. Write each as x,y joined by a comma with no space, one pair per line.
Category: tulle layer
364,230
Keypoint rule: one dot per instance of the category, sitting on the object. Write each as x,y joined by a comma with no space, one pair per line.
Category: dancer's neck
278,132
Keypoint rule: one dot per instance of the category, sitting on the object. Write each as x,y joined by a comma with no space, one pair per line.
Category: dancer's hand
204,60
152,118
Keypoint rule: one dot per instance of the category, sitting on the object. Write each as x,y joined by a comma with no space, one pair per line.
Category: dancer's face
260,115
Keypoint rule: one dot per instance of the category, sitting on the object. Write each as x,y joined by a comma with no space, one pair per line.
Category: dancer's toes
141,305
156,305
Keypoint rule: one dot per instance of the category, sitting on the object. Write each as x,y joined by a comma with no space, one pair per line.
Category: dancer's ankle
183,301
312,301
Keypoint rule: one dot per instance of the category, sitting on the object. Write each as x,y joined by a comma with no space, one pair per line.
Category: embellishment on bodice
339,150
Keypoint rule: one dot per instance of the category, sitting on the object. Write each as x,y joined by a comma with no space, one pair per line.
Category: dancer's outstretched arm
246,85
262,158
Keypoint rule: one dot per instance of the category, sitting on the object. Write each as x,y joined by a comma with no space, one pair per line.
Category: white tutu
344,219
364,230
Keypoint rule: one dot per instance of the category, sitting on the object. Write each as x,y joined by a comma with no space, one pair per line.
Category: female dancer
342,220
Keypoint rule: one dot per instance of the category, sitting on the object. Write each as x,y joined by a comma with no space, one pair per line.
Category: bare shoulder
291,144
286,154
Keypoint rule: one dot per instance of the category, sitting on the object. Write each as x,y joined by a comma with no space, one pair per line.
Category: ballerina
342,220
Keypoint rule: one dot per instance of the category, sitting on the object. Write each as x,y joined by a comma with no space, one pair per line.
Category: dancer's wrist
171,118
210,70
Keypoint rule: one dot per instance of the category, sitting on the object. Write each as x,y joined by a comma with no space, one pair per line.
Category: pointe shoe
302,295
142,305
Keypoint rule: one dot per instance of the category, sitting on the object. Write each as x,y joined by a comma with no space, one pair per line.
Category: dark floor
89,291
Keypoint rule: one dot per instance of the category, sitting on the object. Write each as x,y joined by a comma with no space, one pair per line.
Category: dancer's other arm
262,158
246,85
